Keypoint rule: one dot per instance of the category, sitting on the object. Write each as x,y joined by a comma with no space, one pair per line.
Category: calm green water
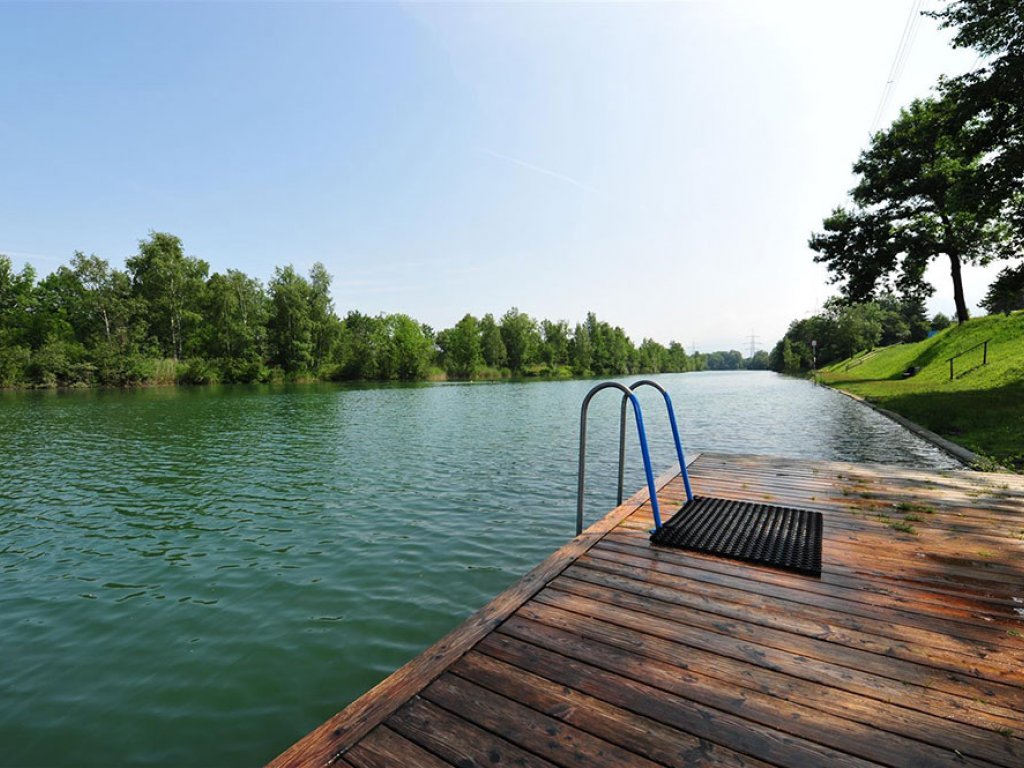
200,576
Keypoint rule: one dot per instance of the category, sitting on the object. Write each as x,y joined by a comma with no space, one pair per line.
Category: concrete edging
958,452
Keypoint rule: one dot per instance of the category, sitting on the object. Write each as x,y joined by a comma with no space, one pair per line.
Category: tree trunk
958,288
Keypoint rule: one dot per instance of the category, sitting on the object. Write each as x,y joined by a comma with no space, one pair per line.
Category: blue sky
662,165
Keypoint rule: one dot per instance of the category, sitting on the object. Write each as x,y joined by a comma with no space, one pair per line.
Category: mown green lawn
982,408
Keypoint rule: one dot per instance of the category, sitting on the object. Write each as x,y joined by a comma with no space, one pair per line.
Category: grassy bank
981,408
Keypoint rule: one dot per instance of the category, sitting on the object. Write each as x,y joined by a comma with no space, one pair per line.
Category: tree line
166,319
843,328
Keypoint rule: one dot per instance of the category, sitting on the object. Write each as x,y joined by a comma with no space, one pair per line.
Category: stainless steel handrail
627,393
675,436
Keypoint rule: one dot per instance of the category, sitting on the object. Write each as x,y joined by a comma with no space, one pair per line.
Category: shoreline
147,385
968,458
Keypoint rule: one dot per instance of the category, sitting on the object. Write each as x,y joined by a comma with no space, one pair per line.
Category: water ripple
199,576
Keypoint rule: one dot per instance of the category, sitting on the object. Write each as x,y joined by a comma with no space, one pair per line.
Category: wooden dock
908,651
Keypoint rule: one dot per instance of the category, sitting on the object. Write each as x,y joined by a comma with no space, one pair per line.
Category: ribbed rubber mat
783,537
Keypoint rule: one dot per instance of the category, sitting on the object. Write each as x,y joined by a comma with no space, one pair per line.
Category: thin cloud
27,256
537,169
466,271
360,283
349,287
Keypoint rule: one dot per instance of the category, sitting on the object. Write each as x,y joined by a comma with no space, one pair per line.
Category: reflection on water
200,576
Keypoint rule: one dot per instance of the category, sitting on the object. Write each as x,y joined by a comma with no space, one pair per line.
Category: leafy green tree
651,357
324,325
759,362
725,361
677,361
57,308
460,348
858,326
46,313
783,358
940,322
991,98
913,310
16,305
895,328
171,284
236,310
622,359
107,308
410,348
361,341
60,362
993,27
791,360
492,347
113,323
290,326
840,330
903,319
921,194
384,347
554,348
581,351
89,323
599,333
16,301
521,338
612,351
1006,294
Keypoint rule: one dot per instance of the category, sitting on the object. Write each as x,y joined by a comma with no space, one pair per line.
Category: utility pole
753,339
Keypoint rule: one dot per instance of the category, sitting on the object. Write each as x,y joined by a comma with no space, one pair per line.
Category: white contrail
538,169
26,256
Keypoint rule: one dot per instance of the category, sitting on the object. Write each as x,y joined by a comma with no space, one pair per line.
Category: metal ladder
629,396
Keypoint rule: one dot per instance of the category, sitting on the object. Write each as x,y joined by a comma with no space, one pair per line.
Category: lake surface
201,576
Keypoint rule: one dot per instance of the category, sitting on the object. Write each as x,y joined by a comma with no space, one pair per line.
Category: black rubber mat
783,537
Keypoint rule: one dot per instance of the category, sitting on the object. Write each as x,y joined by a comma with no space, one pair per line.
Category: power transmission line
753,342
899,61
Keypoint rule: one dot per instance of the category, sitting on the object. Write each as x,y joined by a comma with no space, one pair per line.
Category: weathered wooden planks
909,650
323,745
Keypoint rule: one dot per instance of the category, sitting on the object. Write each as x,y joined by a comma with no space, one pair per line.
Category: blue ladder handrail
627,393
675,436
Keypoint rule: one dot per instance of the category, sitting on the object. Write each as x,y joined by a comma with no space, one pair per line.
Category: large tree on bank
992,96
171,285
922,194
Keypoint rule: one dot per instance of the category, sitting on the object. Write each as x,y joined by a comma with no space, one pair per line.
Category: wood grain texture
384,748
909,650
322,746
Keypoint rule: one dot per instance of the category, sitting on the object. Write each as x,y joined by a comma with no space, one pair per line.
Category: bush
60,363
14,362
235,371
198,370
486,373
130,370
